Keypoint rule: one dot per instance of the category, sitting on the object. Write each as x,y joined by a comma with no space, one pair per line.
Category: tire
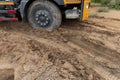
44,15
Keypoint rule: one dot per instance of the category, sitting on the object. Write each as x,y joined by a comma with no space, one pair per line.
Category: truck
44,14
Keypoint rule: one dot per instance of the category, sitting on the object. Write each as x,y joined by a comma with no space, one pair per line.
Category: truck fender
22,7
59,2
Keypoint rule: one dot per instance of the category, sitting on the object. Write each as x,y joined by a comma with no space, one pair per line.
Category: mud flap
82,7
85,9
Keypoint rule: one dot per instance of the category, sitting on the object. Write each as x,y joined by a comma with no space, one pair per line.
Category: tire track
91,63
100,58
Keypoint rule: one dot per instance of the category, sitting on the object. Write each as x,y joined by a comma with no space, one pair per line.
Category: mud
88,50
6,74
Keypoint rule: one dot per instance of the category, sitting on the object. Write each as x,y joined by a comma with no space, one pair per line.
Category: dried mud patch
33,60
6,74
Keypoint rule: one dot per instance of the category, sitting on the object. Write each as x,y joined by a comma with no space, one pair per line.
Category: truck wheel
44,15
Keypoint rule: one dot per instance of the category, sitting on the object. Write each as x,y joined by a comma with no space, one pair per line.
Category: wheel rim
43,18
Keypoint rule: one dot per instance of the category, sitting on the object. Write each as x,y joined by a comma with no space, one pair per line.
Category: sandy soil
114,14
88,50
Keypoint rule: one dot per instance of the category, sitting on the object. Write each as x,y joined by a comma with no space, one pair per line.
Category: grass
96,1
93,15
114,5
102,10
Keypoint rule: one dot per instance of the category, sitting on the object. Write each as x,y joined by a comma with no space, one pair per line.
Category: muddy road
88,50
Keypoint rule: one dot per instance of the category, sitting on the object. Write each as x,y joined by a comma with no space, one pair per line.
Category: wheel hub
42,18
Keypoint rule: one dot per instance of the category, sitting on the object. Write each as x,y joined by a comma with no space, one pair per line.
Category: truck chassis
43,14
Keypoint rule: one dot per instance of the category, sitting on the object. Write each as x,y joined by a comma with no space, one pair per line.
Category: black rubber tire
51,8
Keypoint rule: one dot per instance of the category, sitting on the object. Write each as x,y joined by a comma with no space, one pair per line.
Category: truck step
8,11
8,19
6,3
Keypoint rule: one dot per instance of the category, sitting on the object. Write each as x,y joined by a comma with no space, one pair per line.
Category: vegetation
102,10
114,5
93,15
96,1
108,3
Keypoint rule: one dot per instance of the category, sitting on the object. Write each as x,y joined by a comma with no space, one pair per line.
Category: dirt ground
114,14
87,50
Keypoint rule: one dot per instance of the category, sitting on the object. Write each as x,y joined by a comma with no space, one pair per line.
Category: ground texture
88,50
